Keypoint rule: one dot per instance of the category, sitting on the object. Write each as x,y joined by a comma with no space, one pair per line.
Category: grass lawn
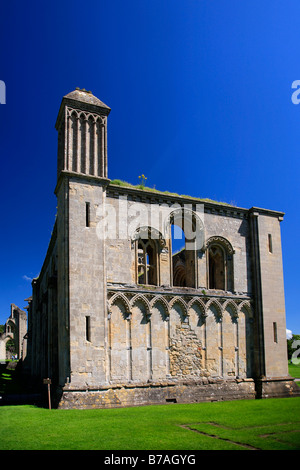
236,425
249,424
294,370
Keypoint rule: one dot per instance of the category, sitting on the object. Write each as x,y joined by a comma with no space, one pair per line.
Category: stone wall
274,325
224,221
110,340
15,329
186,359
87,292
154,335
158,393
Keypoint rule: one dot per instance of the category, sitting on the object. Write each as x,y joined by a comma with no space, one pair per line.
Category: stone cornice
82,177
178,291
218,208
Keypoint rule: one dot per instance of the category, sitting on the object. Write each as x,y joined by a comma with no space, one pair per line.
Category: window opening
147,262
183,260
275,332
88,328
270,243
178,239
87,214
178,256
216,268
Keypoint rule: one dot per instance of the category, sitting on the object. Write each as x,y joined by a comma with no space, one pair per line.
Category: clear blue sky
200,93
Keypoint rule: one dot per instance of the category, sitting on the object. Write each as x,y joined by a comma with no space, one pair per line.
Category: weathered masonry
15,329
117,318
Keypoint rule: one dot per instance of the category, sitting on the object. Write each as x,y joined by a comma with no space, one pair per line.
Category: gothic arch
184,263
199,302
10,326
122,298
247,306
219,261
181,302
232,304
180,214
147,232
143,299
73,113
99,119
160,299
148,244
215,303
82,116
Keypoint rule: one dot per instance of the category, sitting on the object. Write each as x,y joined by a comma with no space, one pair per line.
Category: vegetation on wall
118,182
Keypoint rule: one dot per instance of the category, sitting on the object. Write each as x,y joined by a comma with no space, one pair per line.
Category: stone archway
4,338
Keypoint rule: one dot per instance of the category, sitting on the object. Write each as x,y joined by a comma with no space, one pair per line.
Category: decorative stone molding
168,300
123,298
85,116
144,300
221,241
162,300
149,233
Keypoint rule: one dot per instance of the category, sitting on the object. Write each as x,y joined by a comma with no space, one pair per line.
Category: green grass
236,425
294,370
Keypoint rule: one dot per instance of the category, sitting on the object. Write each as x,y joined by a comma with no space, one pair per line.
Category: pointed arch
184,263
82,115
246,304
219,252
215,303
160,299
73,112
143,299
232,304
148,243
98,119
199,302
122,298
181,302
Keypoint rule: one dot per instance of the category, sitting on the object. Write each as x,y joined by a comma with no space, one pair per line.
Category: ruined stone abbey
116,318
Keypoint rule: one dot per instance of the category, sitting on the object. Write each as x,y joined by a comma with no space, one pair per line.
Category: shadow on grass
13,388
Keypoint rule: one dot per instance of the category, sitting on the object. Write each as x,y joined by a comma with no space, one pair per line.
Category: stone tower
81,182
82,134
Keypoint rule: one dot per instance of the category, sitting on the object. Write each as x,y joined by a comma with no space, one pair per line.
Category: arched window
187,228
178,256
216,267
147,262
219,264
148,243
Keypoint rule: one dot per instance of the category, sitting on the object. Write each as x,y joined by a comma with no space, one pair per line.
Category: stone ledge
276,387
139,394
162,383
203,292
